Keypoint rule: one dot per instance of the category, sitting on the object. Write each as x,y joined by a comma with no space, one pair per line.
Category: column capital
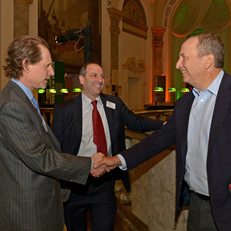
157,31
115,12
157,47
115,17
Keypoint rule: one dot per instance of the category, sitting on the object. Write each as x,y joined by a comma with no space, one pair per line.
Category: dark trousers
97,199
200,214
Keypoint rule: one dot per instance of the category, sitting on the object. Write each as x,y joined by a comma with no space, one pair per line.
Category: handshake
102,164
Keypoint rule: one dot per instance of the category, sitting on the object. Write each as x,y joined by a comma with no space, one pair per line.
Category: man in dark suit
30,158
201,129
72,125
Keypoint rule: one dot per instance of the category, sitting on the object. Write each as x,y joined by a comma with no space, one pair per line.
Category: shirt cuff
123,165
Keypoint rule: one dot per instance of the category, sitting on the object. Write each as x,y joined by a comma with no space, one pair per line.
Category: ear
209,61
81,79
25,65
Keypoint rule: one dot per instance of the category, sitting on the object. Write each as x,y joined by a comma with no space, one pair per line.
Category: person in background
201,129
31,161
73,126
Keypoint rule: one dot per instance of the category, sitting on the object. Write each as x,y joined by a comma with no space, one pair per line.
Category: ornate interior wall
181,18
17,17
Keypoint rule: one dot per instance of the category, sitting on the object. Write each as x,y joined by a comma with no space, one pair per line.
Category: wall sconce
184,90
41,91
64,90
77,90
52,91
158,89
172,89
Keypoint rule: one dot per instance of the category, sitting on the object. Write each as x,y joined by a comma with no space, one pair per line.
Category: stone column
21,24
6,32
115,18
158,80
157,47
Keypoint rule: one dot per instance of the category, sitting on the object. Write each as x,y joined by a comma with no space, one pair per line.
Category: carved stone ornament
134,65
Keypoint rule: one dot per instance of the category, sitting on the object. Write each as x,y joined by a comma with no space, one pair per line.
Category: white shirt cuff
123,165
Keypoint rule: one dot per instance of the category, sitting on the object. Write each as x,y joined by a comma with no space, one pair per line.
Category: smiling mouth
98,86
182,72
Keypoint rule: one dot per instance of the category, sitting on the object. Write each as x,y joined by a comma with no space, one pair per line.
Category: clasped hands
102,164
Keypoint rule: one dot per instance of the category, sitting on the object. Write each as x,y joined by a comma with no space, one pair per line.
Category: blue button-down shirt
26,90
29,94
198,136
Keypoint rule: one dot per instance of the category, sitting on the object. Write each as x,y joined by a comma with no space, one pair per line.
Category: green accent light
76,90
53,91
64,90
41,91
158,89
172,89
184,89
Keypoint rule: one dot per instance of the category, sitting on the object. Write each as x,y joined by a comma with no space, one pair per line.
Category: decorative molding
115,18
158,33
135,29
168,9
24,2
134,19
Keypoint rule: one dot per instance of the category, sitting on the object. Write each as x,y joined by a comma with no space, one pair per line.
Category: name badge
110,105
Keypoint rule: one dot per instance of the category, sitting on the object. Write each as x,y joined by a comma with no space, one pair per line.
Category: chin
43,86
185,79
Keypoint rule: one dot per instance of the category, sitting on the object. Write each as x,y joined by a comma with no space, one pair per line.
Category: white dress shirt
87,146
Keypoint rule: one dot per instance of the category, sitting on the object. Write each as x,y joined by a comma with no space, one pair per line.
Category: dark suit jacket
219,150
67,126
30,164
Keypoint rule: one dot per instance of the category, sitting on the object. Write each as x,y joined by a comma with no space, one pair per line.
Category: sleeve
30,146
138,123
151,145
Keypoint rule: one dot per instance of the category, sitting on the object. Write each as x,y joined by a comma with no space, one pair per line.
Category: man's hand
98,169
108,162
102,164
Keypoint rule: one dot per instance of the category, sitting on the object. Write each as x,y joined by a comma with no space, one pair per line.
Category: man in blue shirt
201,129
31,161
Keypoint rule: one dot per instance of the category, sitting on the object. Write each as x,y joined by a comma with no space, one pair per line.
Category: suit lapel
221,106
22,96
109,114
77,109
183,115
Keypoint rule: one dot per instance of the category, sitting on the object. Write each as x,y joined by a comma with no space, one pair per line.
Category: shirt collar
88,101
213,87
25,89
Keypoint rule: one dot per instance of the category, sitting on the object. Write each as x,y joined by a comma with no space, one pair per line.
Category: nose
100,78
51,71
178,63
